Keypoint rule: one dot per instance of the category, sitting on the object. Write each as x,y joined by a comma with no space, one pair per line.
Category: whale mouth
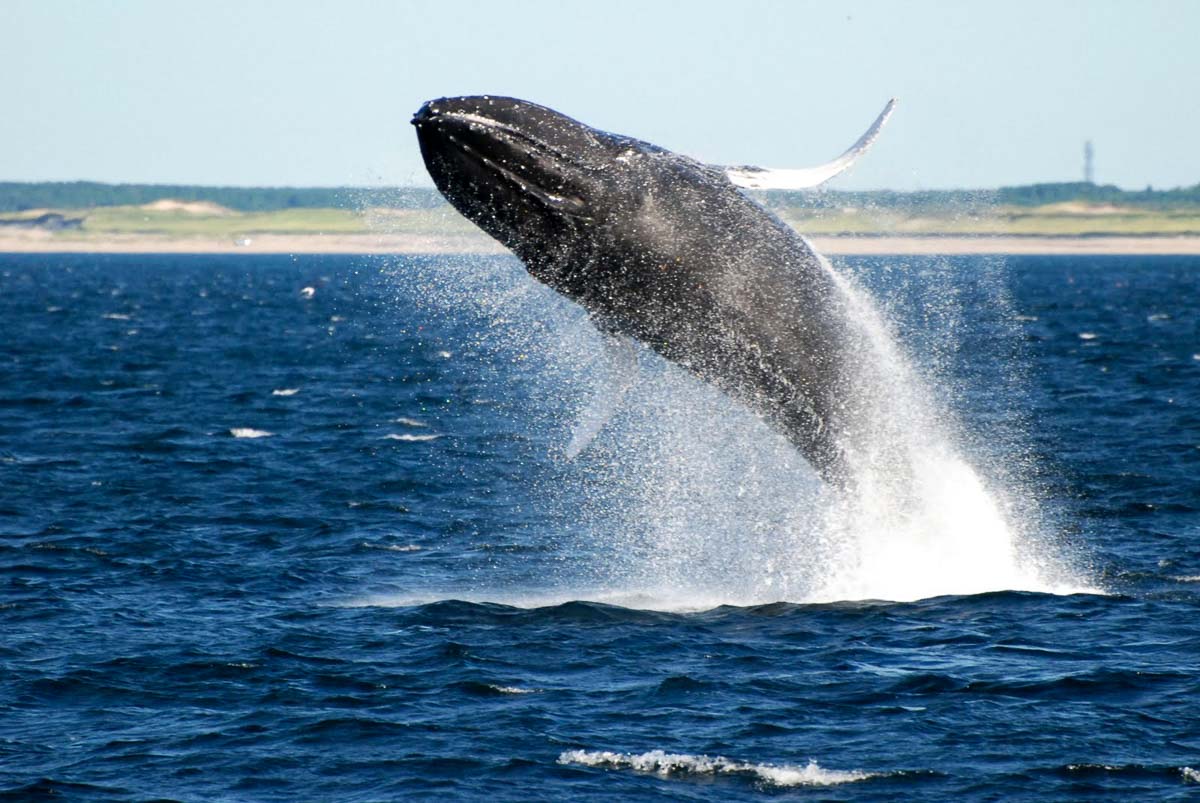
465,147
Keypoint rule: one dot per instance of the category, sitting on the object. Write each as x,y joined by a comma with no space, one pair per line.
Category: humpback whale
667,251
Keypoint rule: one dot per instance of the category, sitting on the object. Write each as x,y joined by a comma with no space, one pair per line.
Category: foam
408,437
248,432
669,765
285,391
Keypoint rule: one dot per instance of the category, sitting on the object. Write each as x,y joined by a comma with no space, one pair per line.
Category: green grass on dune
127,221
1075,219
136,220
1051,220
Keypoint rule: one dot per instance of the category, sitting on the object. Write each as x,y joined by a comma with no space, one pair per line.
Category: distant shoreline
410,244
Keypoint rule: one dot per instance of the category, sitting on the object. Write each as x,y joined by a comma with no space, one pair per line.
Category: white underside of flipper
803,178
621,370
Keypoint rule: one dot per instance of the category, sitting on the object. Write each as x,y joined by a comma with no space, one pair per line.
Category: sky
307,93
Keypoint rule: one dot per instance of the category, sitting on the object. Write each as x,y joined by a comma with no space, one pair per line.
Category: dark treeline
21,196
965,200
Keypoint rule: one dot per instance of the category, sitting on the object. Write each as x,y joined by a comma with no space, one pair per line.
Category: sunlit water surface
303,528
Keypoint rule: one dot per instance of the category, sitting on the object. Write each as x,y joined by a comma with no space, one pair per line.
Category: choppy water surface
301,528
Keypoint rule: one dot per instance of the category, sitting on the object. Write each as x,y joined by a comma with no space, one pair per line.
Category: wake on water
688,501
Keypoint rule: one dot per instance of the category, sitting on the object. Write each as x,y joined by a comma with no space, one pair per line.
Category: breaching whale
665,250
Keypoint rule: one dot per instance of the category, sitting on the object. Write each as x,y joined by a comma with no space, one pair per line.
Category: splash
686,500
919,520
712,505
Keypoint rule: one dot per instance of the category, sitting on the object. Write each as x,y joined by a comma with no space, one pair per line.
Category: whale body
663,249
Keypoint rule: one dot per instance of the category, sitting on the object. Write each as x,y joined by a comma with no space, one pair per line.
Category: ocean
303,528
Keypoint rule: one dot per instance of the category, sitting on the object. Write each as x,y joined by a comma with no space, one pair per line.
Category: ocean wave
408,437
682,764
631,602
669,601
1145,772
392,547
285,391
477,689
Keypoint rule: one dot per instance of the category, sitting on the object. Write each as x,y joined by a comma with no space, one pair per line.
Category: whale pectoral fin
621,368
765,178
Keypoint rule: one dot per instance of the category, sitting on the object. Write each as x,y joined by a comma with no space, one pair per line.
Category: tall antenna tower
1089,175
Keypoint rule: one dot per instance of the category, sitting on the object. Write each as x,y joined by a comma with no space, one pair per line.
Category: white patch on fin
621,368
803,178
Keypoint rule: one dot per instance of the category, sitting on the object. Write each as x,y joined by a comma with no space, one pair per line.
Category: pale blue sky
309,93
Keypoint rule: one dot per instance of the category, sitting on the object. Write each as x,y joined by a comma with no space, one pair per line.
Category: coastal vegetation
97,211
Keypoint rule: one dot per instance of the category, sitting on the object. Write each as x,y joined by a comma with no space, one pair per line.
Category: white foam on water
408,437
285,391
408,422
668,765
248,432
1190,774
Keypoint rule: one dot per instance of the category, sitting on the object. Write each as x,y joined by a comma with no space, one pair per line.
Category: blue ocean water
286,529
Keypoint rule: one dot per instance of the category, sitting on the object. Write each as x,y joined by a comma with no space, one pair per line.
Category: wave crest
670,764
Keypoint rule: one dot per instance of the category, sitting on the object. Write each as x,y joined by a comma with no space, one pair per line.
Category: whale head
555,191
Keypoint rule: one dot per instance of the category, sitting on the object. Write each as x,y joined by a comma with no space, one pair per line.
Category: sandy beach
469,243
